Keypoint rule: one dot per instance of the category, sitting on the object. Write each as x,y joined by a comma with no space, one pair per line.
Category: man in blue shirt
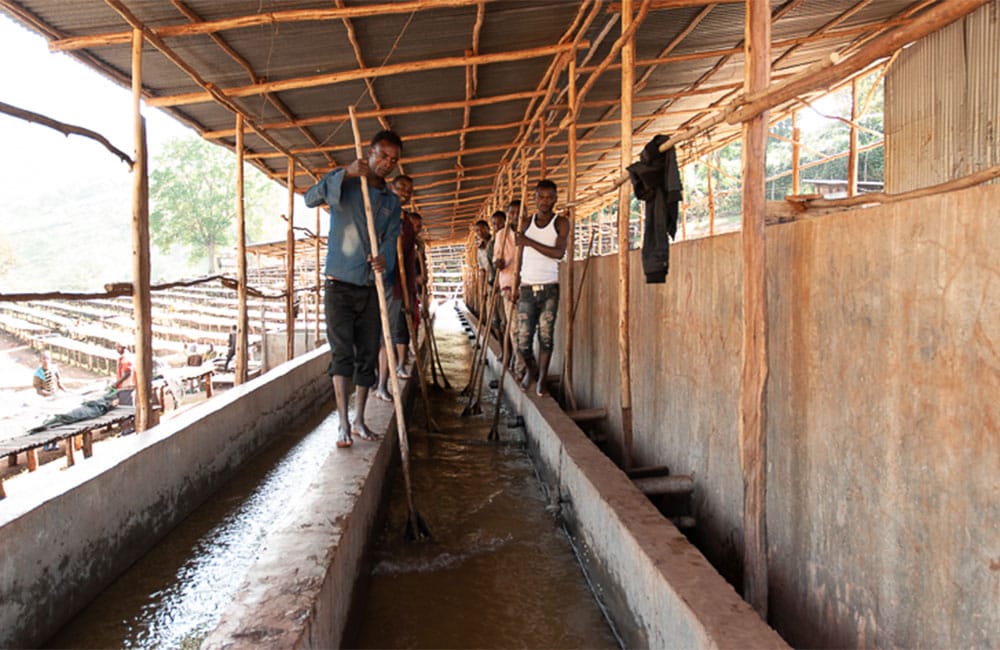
353,323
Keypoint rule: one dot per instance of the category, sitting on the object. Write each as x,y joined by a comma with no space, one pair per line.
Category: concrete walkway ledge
659,589
298,592
67,535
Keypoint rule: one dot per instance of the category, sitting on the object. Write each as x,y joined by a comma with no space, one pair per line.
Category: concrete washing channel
65,540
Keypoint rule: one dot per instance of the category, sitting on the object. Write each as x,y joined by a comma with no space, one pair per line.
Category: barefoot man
544,242
353,323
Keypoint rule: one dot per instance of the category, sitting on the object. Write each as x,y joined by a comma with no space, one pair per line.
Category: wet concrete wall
660,590
67,538
882,412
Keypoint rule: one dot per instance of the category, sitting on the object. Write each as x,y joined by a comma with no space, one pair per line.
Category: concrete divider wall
65,540
673,595
882,412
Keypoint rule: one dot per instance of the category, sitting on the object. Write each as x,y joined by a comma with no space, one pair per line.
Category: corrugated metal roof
311,122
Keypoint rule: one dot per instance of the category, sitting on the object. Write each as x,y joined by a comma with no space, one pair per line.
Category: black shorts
354,329
397,322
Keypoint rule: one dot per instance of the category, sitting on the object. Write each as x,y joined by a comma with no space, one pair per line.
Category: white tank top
535,267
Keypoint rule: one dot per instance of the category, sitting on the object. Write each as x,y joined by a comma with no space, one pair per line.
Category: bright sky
59,87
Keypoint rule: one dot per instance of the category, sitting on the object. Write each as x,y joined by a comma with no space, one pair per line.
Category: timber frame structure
490,96
472,84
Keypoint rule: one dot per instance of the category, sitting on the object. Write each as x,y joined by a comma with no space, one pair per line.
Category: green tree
193,198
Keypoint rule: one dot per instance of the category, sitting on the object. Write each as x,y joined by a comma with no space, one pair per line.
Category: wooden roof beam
407,138
174,58
660,5
258,19
356,75
275,101
401,110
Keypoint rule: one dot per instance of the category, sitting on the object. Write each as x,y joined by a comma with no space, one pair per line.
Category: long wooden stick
408,316
494,433
65,129
390,352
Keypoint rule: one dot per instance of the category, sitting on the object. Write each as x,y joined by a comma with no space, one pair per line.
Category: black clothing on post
656,179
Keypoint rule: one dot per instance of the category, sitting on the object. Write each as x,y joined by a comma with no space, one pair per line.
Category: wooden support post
796,153
567,375
852,157
624,214
753,424
242,322
32,459
711,197
88,443
290,267
142,304
70,452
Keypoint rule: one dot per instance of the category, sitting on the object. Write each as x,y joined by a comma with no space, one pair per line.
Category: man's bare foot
540,389
526,380
383,395
401,372
359,429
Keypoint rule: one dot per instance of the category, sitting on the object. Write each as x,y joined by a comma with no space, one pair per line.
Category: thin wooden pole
415,523
711,199
567,377
852,158
141,298
319,262
290,266
796,152
541,152
242,320
624,214
753,381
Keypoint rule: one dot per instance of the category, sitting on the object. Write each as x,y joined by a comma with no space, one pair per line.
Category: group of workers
535,291
47,380
353,321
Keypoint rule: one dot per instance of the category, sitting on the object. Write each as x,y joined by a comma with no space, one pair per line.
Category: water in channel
499,571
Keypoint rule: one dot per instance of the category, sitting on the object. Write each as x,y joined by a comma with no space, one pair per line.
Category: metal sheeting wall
942,104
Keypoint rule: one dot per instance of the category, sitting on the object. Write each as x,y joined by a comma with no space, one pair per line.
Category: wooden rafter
256,20
356,75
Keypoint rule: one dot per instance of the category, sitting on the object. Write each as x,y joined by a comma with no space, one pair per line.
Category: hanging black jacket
656,179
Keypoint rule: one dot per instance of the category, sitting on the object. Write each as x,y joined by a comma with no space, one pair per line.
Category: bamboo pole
567,376
290,266
331,78
242,319
753,423
141,299
624,215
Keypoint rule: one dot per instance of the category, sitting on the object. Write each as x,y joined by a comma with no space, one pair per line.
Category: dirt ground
20,407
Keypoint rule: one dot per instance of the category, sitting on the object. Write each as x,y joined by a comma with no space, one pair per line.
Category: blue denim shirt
348,246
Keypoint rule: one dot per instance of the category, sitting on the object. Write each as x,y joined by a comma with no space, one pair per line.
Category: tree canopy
193,198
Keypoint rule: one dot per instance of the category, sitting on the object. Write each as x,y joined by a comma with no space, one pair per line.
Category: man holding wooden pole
353,322
544,244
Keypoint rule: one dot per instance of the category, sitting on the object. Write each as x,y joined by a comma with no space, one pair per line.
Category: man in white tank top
544,244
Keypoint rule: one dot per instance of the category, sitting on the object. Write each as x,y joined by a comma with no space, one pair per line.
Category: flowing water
499,571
